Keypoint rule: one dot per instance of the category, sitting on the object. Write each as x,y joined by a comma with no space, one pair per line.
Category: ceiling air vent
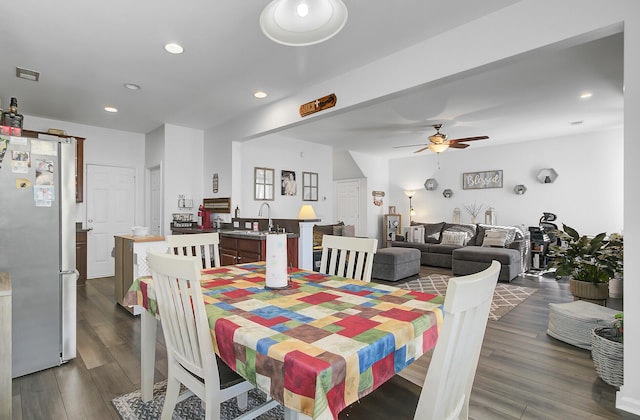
34,76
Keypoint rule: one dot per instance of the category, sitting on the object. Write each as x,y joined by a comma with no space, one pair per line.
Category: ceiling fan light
438,138
438,148
303,22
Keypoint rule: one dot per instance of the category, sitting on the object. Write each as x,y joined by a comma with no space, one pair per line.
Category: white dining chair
203,245
348,257
447,386
191,359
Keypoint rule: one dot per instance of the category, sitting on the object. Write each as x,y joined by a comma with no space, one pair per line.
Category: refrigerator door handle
76,272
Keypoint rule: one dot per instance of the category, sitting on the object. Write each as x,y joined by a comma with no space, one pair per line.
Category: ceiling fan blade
421,150
458,145
469,139
408,145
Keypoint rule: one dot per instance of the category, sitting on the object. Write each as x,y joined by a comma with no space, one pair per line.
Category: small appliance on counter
183,220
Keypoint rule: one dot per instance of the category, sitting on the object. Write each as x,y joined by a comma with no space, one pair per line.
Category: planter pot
607,355
591,292
615,288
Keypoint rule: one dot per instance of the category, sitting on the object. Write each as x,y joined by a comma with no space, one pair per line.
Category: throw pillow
509,230
320,230
432,231
453,238
337,230
349,230
468,230
494,238
414,234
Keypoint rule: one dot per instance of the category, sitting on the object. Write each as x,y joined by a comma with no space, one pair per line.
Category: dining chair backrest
191,359
181,308
203,245
348,257
447,387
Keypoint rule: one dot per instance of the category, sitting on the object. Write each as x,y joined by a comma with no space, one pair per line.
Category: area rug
505,297
131,407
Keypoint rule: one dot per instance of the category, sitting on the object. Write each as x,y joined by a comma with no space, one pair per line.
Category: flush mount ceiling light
303,22
132,86
32,75
173,48
110,109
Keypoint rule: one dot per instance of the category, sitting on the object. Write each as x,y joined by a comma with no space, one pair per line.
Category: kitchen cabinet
235,250
130,254
81,256
79,157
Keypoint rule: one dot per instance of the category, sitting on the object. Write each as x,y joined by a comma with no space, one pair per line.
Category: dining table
315,347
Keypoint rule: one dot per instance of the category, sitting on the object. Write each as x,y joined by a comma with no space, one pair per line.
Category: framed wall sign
309,186
480,180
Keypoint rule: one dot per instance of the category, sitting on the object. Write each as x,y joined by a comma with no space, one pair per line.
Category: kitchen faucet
268,214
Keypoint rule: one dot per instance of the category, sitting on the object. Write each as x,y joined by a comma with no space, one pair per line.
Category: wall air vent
32,75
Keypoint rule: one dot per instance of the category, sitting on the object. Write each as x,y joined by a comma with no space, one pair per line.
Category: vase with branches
474,210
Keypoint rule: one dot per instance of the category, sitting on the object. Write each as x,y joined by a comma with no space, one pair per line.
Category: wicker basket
607,356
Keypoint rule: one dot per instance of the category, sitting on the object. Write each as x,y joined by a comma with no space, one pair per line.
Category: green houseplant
590,262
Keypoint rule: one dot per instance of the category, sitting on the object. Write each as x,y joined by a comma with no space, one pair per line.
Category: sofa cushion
469,230
446,249
349,230
454,238
432,231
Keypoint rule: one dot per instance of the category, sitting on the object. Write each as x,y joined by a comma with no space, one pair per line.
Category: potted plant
590,262
606,351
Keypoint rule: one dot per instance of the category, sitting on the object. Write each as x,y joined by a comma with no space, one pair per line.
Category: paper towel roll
276,261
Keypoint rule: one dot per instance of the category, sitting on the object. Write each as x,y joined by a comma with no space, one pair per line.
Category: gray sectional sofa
470,248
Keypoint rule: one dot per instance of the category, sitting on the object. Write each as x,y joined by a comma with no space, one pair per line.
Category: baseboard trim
627,403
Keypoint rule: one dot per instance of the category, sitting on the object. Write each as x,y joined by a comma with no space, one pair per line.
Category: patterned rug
131,407
505,298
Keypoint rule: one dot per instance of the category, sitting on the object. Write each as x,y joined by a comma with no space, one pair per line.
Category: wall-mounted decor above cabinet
519,189
447,193
263,183
547,175
430,184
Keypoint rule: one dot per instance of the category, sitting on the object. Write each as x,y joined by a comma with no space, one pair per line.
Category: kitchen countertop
233,233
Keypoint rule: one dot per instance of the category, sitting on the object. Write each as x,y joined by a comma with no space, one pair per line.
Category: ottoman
473,259
394,264
572,322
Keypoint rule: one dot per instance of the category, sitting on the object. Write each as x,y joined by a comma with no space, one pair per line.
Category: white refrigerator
37,237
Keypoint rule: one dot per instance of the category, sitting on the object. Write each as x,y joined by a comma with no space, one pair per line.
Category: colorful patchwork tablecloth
318,346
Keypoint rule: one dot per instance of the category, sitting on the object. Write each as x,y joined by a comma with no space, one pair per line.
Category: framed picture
392,209
309,186
289,186
481,180
263,183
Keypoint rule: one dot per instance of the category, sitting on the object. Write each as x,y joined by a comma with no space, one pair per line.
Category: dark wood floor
522,374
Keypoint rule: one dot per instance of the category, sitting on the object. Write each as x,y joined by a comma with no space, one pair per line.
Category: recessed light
260,94
110,109
174,48
586,95
580,122
132,86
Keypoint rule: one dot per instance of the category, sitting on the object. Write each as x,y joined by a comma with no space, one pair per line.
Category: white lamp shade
282,21
409,193
438,148
307,212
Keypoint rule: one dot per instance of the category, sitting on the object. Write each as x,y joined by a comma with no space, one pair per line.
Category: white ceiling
87,51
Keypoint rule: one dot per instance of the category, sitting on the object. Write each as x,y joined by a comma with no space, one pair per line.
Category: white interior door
110,211
155,201
348,204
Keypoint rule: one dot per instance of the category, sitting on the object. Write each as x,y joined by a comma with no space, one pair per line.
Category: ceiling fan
439,142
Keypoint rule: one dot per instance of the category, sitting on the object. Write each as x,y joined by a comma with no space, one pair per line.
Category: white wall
102,147
183,169
587,195
283,153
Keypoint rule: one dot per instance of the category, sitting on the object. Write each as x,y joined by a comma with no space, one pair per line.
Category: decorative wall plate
447,193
